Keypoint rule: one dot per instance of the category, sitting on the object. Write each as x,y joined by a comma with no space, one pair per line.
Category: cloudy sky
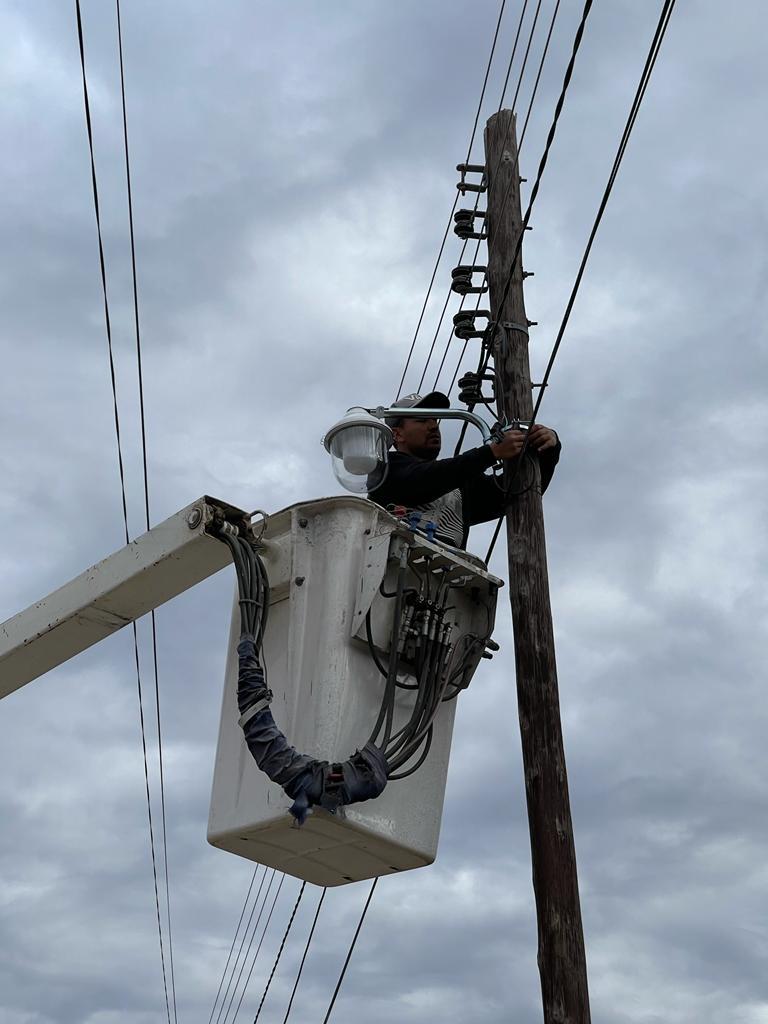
293,172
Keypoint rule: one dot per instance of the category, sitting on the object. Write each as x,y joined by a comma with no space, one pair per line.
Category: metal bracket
510,325
465,186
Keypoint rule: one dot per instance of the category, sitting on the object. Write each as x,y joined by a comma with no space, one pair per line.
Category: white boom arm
167,560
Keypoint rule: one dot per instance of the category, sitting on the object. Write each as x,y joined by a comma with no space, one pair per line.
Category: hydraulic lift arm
167,560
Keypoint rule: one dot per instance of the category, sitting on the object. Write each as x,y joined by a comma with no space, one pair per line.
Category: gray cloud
293,171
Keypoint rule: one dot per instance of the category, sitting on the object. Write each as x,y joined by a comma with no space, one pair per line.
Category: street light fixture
359,442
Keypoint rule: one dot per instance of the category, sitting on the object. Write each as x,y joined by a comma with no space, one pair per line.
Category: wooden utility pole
561,957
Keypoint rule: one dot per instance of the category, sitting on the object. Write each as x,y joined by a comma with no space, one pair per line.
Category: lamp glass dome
358,446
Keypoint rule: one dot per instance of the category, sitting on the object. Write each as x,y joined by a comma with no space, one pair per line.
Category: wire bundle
420,649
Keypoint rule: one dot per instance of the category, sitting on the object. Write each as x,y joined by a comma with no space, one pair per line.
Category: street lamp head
358,446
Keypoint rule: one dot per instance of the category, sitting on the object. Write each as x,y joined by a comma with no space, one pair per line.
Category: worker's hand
510,445
542,437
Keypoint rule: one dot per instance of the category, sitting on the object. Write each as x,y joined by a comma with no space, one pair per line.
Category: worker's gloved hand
542,437
510,445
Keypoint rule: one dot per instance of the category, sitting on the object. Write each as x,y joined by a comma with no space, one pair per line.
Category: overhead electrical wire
258,950
485,351
531,101
645,76
349,953
108,325
140,373
456,198
234,939
477,200
280,950
248,949
304,955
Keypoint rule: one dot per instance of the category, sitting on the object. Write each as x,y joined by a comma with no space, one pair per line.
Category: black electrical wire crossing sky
145,473
650,63
121,467
456,197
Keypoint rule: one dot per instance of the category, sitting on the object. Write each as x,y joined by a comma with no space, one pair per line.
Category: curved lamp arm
380,412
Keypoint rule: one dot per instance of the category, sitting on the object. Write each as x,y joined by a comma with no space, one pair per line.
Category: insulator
464,326
462,279
464,225
471,388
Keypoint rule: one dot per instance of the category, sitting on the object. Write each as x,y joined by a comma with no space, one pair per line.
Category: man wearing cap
454,493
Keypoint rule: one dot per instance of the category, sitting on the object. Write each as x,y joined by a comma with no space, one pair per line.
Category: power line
349,953
107,320
234,938
645,76
485,351
242,943
477,199
304,956
146,493
519,148
280,950
455,201
258,949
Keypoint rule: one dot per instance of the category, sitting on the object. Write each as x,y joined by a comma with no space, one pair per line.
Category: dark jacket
415,482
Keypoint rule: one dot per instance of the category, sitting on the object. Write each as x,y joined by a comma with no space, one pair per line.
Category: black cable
121,467
531,101
645,76
477,198
304,957
280,950
146,491
512,56
242,944
545,155
349,954
258,950
455,201
234,939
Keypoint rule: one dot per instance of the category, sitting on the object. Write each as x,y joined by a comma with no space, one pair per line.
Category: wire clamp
510,325
461,279
465,186
464,224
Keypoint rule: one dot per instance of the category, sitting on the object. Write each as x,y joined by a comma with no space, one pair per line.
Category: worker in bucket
455,493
